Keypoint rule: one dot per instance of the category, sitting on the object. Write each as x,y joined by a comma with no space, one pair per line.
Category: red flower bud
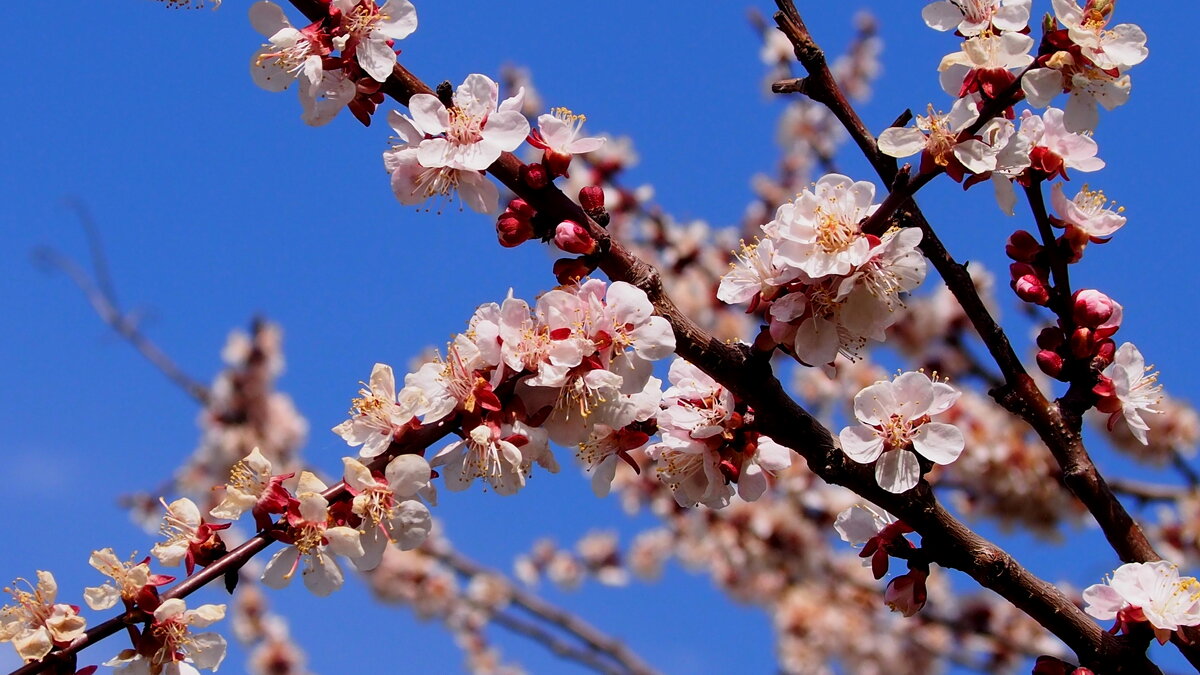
557,162
1091,308
1050,362
906,593
571,270
1081,343
592,199
574,238
1050,338
512,230
521,209
534,175
1031,288
1022,247
1106,351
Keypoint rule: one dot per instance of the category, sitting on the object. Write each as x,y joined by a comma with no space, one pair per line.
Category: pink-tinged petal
1041,85
752,483
942,15
430,116
582,146
375,444
939,443
515,102
875,404
404,128
169,609
1103,601
407,474
383,382
944,396
506,130
817,342
377,58
374,543
901,141
267,74
772,456
322,575
278,573
268,18
477,95
411,524
344,541
207,650
481,195
603,475
898,471
861,444
913,393
436,152
1006,196
655,340
401,19
628,303
554,130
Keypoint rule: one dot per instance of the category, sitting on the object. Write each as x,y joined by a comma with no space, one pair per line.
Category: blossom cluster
825,285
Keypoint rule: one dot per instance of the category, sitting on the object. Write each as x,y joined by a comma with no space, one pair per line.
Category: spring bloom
169,646
35,623
1116,48
370,31
1152,592
557,136
1089,211
894,416
133,582
290,53
313,537
388,506
190,540
1127,392
874,530
375,417
936,138
971,17
251,487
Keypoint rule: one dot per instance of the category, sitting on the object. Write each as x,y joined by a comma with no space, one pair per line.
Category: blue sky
216,203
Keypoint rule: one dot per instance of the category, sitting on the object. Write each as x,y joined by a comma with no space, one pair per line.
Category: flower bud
1081,343
1022,247
1050,362
1050,338
513,231
591,198
1031,288
1091,308
1106,351
556,162
906,593
571,270
534,175
574,238
521,209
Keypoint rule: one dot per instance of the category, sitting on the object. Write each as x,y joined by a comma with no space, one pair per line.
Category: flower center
362,19
834,232
1094,202
465,129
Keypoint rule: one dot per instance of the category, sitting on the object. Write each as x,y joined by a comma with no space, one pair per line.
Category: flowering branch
1021,395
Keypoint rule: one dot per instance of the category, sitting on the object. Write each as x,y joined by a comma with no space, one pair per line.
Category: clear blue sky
217,203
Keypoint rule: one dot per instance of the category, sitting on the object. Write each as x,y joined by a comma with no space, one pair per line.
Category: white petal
322,575
939,443
207,650
267,18
278,573
901,141
430,116
506,130
407,474
898,471
861,443
377,58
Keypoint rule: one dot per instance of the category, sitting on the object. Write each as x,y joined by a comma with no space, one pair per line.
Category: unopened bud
557,162
1106,351
1091,308
1022,247
521,209
571,270
513,231
1050,362
534,175
1031,288
1081,343
1051,338
906,593
591,198
574,238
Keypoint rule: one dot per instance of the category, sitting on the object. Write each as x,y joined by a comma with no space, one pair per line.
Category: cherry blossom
253,488
558,136
370,30
818,233
1087,86
313,536
971,17
485,452
984,64
388,507
169,646
1116,48
290,52
874,530
894,415
1090,212
1152,592
375,417
936,136
1056,149
134,582
1128,393
757,275
36,623
190,540
472,133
